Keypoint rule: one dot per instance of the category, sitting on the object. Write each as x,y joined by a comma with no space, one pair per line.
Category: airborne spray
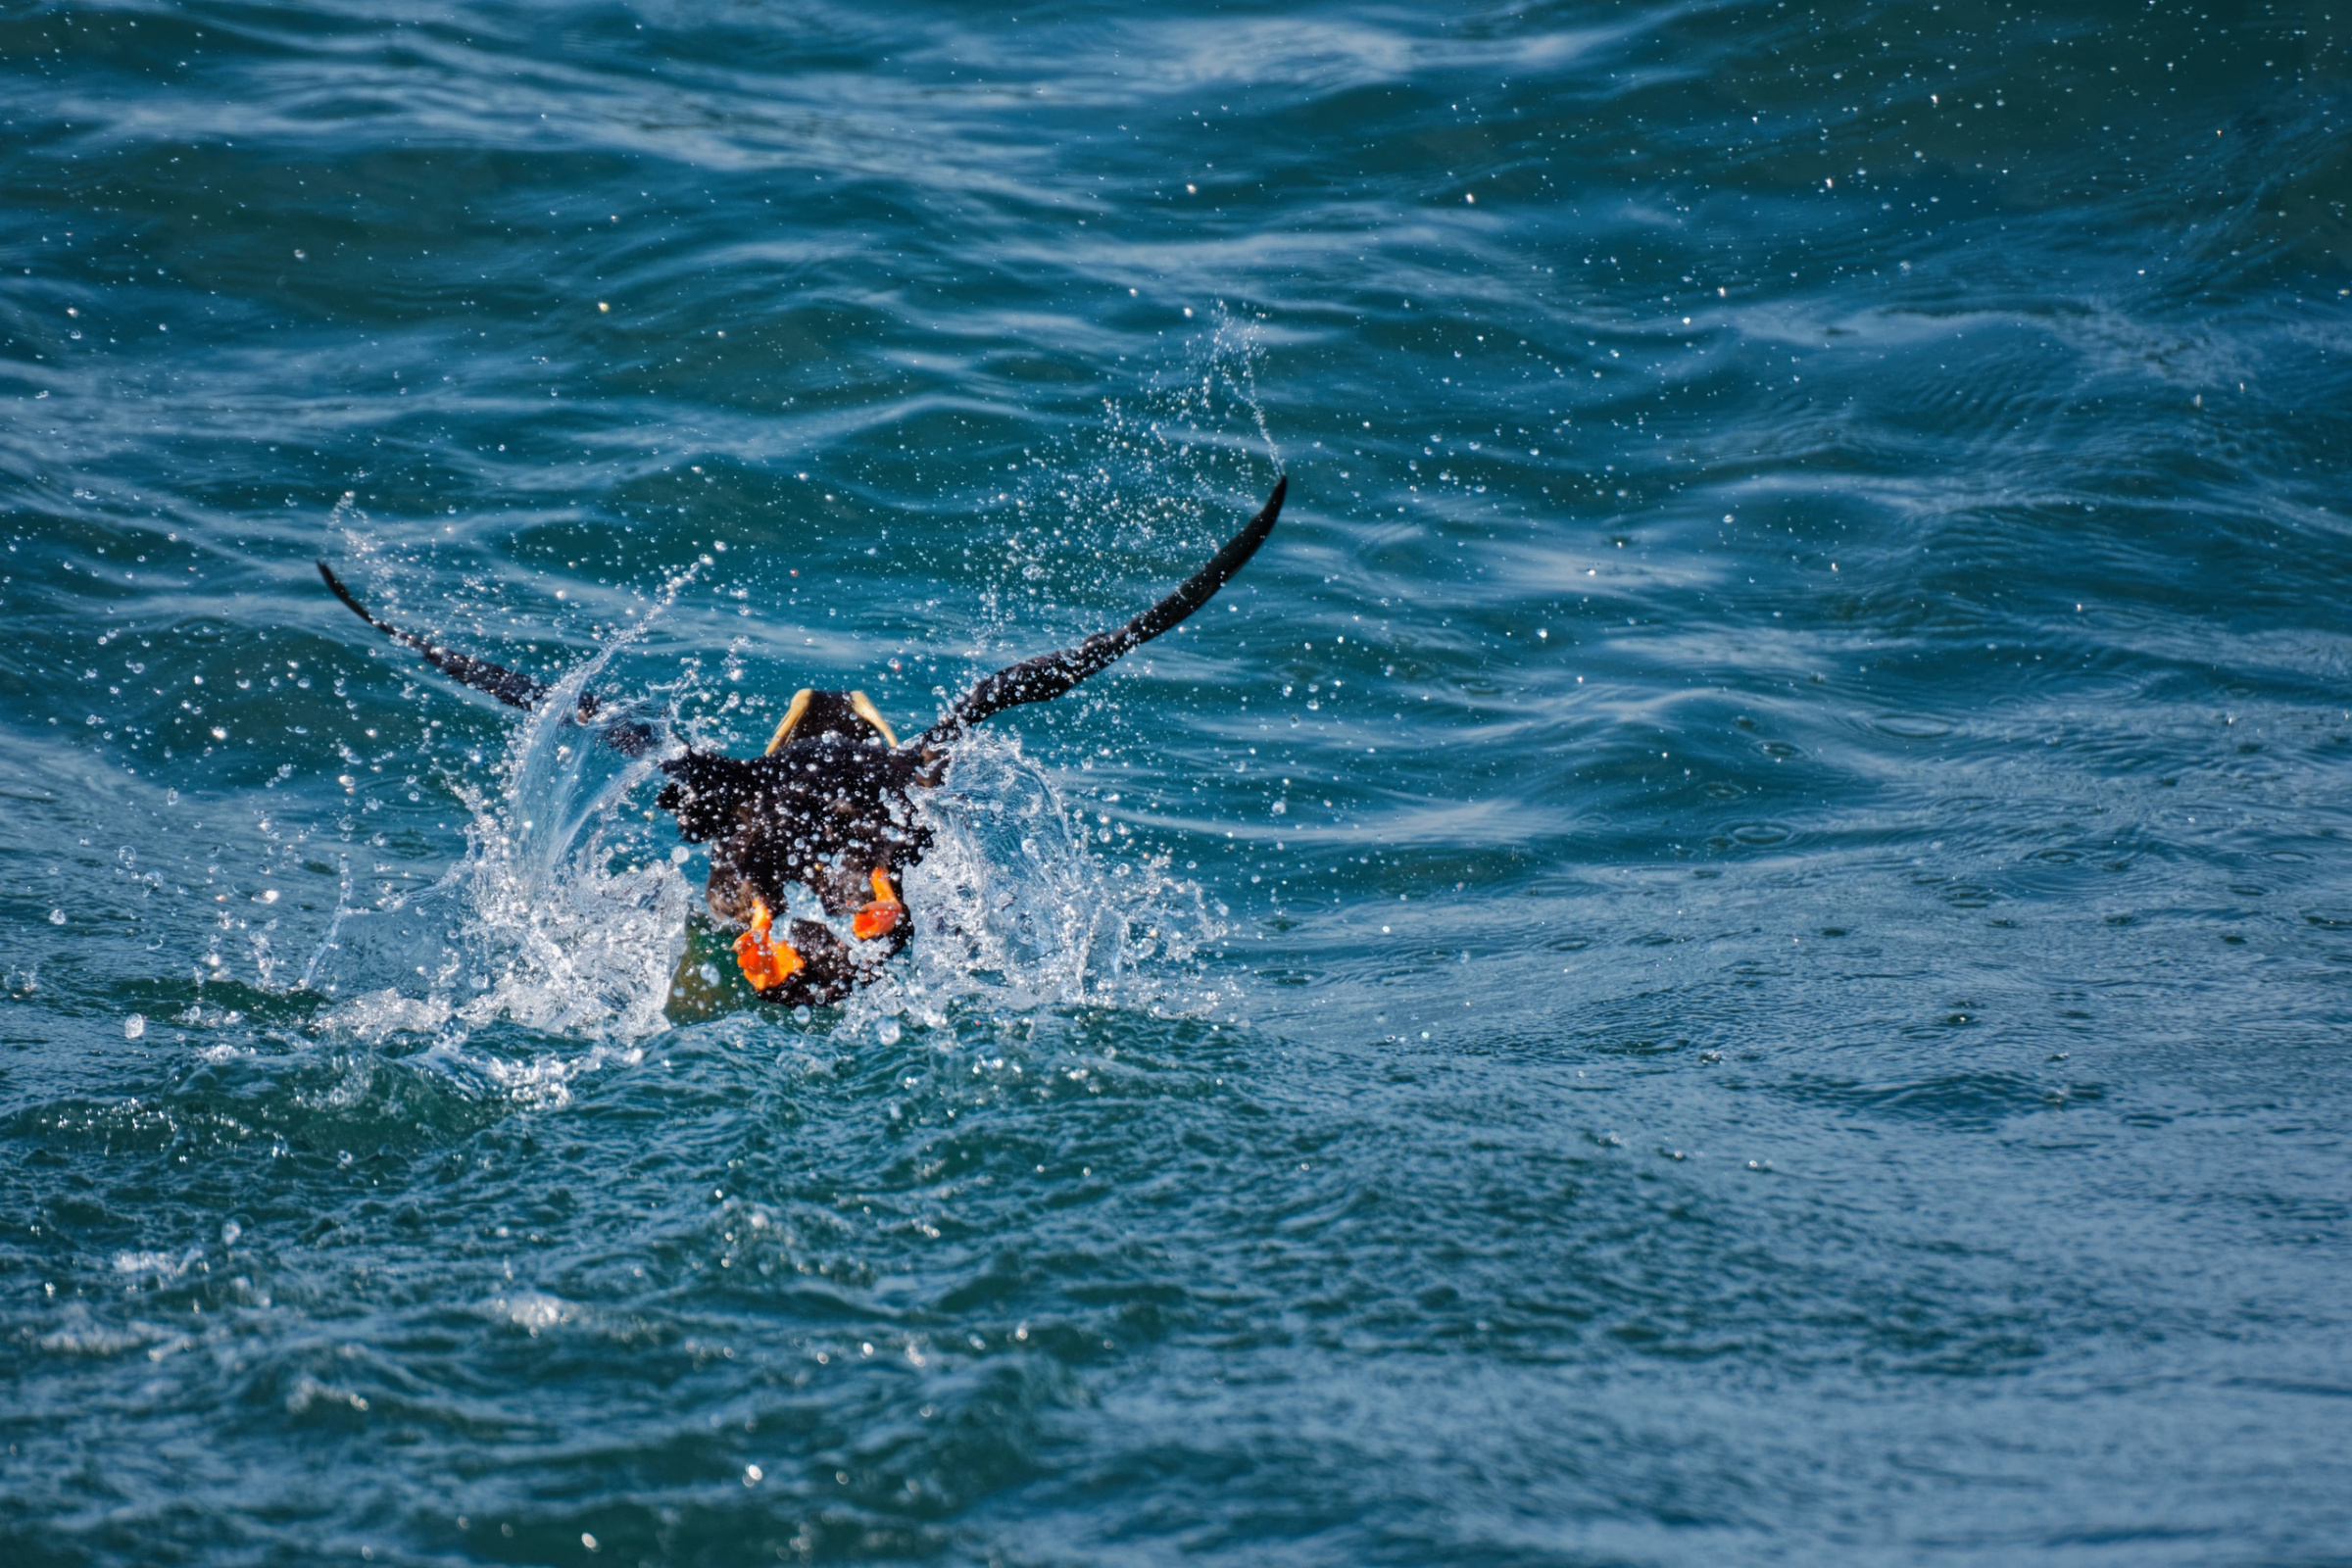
564,923
565,915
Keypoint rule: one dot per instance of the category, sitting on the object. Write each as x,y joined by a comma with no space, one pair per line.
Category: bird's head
845,716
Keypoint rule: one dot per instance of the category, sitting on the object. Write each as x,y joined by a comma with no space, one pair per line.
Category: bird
829,806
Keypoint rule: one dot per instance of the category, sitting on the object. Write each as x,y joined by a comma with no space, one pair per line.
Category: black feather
1049,675
509,686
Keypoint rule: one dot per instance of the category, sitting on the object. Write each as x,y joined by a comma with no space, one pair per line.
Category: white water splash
568,915
1013,910
564,915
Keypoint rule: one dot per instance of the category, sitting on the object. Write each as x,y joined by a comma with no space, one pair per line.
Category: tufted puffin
828,807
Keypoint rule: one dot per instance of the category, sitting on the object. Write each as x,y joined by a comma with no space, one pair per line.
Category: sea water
1735,944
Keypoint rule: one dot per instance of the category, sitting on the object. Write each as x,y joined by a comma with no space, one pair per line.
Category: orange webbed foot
765,963
883,914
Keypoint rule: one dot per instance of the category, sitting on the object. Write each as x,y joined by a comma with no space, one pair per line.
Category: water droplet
889,1032
57,918
134,1026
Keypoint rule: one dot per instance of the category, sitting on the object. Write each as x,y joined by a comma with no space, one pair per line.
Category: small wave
80,1334
309,1392
161,1266
532,1311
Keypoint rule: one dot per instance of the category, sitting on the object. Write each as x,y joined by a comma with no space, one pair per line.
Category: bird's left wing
1049,675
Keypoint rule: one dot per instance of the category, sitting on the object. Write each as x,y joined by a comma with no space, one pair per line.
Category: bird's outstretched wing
1049,675
509,686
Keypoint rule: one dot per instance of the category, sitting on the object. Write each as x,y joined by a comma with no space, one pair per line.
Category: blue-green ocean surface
1735,947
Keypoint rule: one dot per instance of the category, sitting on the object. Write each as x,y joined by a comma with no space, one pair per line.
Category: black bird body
830,806
824,813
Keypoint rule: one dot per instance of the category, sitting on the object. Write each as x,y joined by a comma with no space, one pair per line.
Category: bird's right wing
509,686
